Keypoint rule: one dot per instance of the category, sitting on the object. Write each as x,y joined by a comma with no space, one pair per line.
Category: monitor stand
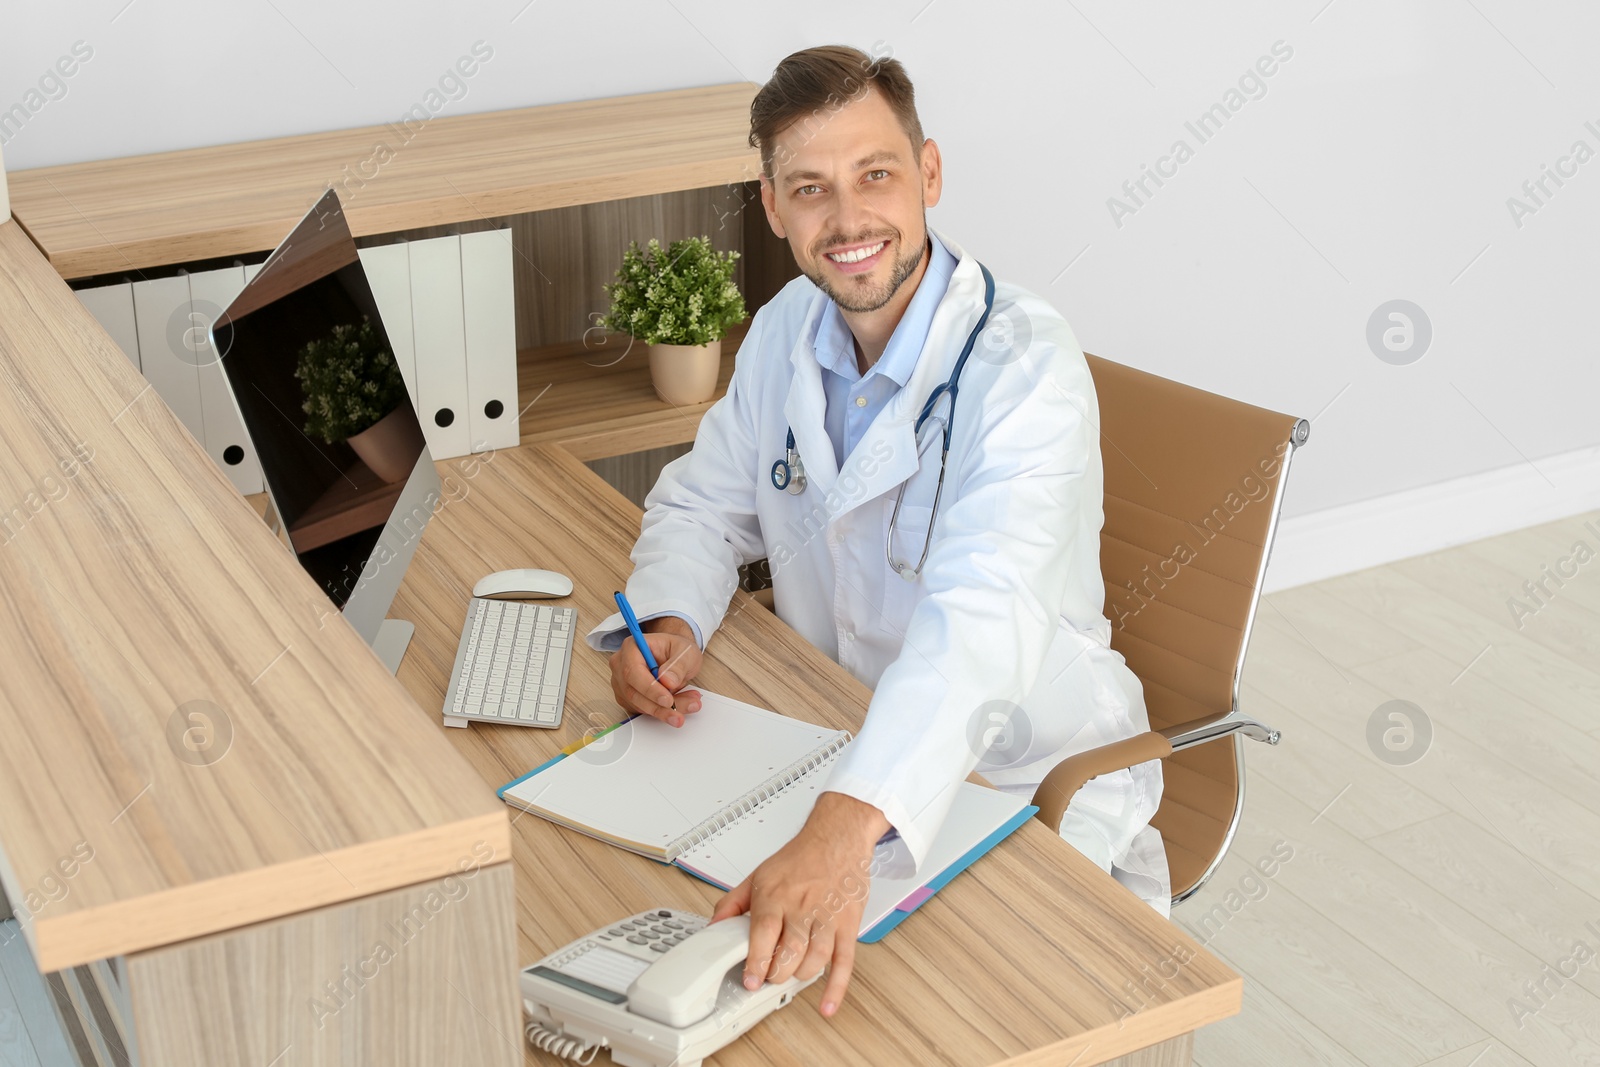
393,637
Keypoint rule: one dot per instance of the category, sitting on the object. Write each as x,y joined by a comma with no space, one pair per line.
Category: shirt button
861,401
849,635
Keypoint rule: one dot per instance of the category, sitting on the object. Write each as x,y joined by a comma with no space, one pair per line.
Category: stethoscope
789,474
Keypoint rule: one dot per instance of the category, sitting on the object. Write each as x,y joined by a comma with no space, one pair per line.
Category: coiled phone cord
554,1041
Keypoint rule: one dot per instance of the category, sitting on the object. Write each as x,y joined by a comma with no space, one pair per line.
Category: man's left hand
805,901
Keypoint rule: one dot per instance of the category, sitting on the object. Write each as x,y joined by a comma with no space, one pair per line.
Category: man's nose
853,217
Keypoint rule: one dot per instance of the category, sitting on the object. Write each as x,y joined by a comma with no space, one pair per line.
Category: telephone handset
660,989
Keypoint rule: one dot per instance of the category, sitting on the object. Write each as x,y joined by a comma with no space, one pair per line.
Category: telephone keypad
653,932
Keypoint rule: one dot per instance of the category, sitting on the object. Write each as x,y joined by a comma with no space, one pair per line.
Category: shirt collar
835,346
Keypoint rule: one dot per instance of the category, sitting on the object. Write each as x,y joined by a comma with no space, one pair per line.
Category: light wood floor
29,1033
1421,900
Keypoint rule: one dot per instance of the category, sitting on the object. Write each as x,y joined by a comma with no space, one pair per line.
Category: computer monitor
353,522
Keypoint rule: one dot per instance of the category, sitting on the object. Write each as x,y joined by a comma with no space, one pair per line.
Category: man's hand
805,902
672,643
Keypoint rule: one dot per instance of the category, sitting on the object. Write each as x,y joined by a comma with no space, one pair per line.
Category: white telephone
659,989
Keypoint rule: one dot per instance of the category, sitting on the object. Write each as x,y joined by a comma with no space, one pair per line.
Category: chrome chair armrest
1223,724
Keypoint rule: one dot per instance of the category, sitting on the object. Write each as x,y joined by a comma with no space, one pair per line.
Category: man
979,619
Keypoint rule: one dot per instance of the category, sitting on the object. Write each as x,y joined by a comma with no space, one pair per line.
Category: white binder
439,331
226,441
388,271
162,313
491,325
112,307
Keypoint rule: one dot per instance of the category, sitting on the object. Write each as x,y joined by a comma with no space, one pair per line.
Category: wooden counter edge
222,904
1140,1031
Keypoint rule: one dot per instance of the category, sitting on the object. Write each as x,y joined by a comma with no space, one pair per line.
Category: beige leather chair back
1193,485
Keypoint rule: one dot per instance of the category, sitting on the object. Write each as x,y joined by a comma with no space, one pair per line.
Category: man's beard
858,299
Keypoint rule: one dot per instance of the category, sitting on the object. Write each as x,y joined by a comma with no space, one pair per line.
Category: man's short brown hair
809,86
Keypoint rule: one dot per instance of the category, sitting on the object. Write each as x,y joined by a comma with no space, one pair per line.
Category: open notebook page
645,784
728,856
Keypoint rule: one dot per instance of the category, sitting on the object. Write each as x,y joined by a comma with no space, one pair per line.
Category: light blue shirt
854,399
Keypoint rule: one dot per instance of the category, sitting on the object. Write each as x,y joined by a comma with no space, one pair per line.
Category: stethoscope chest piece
788,473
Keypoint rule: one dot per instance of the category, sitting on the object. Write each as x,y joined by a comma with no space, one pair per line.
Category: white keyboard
511,666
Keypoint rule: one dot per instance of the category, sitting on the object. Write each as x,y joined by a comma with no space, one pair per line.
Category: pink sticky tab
914,901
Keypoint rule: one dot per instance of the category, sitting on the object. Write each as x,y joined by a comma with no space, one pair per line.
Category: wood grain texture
1034,955
563,257
416,977
635,474
132,586
595,399
174,207
1179,1052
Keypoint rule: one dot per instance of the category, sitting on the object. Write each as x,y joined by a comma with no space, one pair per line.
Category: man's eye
870,173
803,188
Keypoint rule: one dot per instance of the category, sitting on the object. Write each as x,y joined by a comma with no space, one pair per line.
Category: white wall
1376,166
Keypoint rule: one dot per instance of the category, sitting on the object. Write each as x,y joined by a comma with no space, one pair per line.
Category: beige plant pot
685,374
391,445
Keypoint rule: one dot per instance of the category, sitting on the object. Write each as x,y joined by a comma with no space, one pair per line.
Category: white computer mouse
522,584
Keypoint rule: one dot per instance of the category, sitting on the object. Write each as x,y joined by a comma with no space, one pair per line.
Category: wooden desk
206,777
1032,956
227,200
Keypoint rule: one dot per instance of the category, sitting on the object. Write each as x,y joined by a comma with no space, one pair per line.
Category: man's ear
932,173
769,203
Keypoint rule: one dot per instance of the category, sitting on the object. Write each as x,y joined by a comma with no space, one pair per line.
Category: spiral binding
769,788
557,1042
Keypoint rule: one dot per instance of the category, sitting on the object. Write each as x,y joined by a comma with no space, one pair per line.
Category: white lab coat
1008,611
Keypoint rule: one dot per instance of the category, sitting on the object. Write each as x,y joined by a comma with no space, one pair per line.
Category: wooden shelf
358,501
177,207
597,400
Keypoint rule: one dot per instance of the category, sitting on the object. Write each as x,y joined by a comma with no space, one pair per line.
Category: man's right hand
671,641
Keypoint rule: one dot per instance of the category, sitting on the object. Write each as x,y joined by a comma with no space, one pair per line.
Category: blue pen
638,635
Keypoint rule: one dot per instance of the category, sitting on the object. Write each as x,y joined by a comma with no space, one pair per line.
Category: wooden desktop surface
1033,955
227,200
134,581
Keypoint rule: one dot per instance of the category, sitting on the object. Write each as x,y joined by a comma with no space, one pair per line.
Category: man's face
846,183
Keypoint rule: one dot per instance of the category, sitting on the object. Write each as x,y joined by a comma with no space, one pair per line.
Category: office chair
1193,485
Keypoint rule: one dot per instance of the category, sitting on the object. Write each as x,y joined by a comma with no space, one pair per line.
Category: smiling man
963,588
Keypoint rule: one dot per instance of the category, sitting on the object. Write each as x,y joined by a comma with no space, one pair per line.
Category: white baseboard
1368,533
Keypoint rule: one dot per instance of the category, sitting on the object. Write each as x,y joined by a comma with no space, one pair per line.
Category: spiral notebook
730,787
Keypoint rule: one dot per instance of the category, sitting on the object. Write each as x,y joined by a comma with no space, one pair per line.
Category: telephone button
637,940
660,946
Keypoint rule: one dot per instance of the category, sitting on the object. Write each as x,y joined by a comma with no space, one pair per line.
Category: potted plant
679,300
354,393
